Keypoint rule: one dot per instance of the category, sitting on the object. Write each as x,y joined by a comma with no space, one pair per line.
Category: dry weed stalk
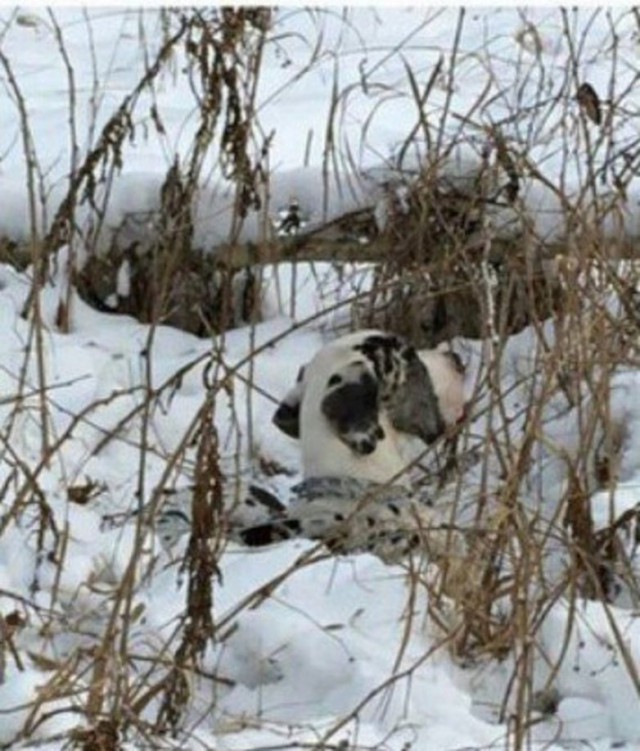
205,547
501,615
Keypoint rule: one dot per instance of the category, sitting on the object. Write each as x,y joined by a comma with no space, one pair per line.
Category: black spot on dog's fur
352,409
287,418
406,389
413,405
380,351
259,535
265,534
266,499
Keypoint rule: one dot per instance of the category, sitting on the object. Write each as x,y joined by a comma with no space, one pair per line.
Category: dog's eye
335,380
409,354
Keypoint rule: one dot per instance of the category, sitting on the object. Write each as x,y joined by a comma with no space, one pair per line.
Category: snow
514,58
329,635
341,649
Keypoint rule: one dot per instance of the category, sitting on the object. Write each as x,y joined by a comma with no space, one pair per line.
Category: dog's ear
352,407
407,391
287,416
413,406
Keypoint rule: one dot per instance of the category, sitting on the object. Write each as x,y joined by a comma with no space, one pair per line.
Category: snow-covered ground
511,69
337,636
342,650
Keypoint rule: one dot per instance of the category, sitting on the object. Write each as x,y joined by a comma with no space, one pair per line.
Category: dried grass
444,268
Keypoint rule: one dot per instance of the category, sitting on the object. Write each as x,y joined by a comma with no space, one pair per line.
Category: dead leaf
590,103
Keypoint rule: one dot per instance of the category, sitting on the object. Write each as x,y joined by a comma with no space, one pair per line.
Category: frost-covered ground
338,636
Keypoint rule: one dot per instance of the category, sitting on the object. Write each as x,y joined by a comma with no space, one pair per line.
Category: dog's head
359,376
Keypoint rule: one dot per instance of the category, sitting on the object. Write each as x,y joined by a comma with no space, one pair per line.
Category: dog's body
352,515
351,407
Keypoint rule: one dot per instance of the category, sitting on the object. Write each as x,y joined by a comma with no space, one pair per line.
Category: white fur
448,383
323,453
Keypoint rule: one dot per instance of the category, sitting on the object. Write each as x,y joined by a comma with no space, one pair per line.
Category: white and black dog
350,407
353,405
362,389
375,376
